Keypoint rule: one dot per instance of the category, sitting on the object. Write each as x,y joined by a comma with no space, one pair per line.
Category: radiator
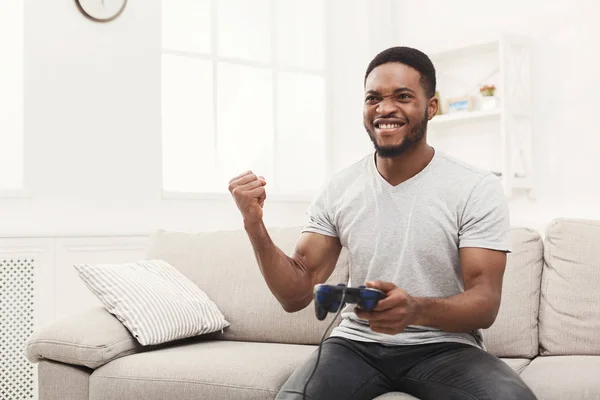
16,325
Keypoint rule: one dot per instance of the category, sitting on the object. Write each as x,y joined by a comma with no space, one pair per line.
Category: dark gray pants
351,370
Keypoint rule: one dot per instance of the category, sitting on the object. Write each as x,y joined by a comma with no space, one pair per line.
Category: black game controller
329,298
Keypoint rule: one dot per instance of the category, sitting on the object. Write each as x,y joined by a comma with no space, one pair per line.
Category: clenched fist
249,193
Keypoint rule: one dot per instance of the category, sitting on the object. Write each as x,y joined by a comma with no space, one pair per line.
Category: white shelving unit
462,117
508,128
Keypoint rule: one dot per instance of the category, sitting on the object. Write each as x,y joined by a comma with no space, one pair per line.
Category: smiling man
428,230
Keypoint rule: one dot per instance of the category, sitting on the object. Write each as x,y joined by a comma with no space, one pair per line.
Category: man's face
396,109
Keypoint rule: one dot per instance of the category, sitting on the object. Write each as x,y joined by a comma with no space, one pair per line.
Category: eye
371,99
404,96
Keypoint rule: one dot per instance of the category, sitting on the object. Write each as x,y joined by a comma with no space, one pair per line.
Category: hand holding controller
329,298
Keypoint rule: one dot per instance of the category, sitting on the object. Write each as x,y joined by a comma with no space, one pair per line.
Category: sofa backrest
515,331
550,295
570,298
224,266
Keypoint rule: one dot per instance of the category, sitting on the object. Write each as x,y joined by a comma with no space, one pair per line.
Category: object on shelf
489,102
439,110
487,90
460,104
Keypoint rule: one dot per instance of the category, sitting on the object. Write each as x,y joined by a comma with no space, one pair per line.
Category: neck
396,170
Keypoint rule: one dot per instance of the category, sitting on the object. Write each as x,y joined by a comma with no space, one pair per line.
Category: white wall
92,124
565,86
92,130
92,110
353,53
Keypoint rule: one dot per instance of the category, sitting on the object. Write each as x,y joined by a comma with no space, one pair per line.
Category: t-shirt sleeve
319,216
485,221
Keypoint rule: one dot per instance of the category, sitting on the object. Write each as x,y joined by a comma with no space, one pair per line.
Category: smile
388,126
388,123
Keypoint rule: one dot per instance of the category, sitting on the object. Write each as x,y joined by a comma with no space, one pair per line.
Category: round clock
101,10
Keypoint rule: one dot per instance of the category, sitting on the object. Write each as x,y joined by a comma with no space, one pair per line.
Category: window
243,87
11,97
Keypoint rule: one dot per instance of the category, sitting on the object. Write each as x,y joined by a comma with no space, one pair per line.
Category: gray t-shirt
410,234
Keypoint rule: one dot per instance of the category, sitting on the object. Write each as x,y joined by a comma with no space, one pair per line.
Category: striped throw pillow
153,300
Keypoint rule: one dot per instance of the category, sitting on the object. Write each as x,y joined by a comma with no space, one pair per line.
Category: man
428,230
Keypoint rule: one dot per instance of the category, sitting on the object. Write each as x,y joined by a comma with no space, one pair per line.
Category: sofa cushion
209,370
216,370
515,331
395,396
517,364
89,338
564,377
58,381
569,310
153,300
224,266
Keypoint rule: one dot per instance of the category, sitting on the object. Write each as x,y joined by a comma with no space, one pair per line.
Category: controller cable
342,304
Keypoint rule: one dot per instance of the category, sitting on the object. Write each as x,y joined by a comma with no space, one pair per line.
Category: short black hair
413,58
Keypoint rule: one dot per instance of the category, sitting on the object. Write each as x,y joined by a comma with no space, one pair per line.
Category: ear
432,107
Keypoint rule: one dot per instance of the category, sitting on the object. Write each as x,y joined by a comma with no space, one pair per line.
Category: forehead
390,76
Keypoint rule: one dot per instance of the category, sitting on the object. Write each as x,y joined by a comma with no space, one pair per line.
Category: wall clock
101,10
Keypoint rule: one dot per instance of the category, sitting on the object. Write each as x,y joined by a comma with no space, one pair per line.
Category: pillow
153,300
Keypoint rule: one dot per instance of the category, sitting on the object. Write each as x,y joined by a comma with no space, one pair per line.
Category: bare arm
290,279
475,308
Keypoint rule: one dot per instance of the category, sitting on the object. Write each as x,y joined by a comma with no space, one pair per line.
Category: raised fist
249,193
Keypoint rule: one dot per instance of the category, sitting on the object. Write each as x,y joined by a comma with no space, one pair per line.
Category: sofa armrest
91,338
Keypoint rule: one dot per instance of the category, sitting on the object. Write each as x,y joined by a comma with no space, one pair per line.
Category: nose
386,106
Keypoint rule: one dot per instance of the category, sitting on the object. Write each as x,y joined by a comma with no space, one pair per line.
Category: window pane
300,132
187,124
244,121
300,33
11,95
186,25
244,29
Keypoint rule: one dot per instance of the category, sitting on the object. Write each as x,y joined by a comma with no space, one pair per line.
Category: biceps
317,255
483,268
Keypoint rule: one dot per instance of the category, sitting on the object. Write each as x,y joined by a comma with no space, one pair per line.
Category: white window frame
275,68
23,192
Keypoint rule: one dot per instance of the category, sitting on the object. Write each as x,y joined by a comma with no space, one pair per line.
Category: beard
414,136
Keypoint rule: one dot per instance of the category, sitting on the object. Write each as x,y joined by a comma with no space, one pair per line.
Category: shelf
460,70
465,116
465,51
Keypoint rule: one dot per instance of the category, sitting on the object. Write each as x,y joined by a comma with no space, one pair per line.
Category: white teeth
389,126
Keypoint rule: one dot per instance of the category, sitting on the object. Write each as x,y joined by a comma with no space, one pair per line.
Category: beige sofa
548,328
